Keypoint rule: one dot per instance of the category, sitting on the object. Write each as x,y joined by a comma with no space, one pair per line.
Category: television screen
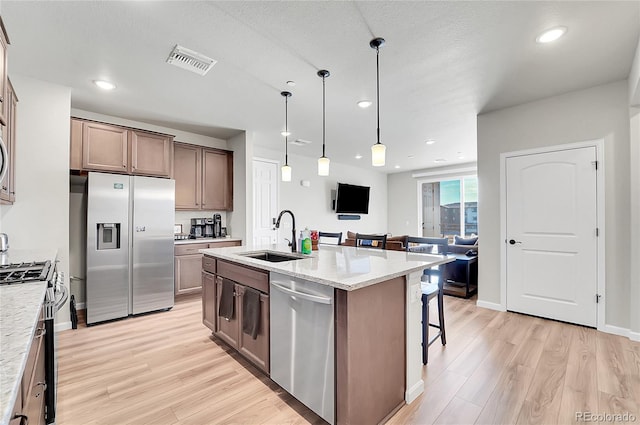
352,199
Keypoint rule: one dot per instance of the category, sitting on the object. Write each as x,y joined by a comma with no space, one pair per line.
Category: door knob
513,241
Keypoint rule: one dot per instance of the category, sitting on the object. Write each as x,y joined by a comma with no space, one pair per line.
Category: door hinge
595,164
597,232
598,298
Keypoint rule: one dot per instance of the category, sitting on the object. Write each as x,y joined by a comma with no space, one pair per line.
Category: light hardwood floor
497,368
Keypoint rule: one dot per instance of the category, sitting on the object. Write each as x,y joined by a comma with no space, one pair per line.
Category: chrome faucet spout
293,230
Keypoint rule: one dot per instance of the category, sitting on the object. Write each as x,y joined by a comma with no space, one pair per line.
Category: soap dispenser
306,241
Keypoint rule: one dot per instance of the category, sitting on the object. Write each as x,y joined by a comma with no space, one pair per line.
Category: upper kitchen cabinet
150,153
4,85
217,180
105,147
204,178
8,183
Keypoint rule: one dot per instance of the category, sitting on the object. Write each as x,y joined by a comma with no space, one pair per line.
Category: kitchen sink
272,256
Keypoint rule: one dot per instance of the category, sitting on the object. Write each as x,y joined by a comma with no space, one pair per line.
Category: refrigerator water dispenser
108,236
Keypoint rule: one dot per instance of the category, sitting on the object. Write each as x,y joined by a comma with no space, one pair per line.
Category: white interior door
265,201
551,252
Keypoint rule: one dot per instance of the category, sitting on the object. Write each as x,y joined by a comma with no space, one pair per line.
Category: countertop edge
205,240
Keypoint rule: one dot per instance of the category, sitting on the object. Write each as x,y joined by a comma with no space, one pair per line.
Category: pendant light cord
323,109
378,88
286,130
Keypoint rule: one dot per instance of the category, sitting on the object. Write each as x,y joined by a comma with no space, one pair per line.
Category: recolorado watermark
606,417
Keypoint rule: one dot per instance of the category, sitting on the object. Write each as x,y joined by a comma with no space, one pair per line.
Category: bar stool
429,292
337,236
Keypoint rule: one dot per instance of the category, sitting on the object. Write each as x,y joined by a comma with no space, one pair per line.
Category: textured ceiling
442,64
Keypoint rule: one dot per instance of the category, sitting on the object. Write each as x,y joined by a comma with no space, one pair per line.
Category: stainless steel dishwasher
302,342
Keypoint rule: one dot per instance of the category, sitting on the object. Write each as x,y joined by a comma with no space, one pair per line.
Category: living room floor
497,367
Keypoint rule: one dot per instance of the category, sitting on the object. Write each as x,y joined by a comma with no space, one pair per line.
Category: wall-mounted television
352,199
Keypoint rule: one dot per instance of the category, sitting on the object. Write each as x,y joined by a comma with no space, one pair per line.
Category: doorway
265,201
552,251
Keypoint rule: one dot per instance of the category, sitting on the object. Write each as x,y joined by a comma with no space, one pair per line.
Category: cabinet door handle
24,420
44,387
124,166
42,331
4,187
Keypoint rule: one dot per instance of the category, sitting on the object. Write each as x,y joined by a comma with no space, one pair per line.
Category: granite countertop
341,267
205,240
20,306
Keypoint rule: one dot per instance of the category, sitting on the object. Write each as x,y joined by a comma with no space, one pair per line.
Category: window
450,207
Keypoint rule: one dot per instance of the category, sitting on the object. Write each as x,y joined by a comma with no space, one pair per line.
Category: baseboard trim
80,306
62,326
615,330
414,392
634,336
490,306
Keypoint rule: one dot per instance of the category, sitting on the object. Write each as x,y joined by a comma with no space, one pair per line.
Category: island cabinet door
256,350
227,329
209,300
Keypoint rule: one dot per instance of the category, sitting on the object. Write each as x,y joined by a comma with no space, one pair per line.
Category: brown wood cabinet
4,81
204,178
97,146
230,330
188,265
7,185
30,406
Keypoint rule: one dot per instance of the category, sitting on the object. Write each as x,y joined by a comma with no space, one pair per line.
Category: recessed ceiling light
439,160
397,166
430,142
460,156
285,133
410,156
551,35
104,85
365,103
291,83
358,156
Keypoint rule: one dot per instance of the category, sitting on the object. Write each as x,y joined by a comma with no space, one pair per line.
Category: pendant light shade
286,169
378,151
323,161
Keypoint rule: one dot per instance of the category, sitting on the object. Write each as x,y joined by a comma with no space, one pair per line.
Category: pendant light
286,170
323,161
378,149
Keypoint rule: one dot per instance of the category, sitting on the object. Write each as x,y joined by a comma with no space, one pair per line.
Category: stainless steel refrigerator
130,250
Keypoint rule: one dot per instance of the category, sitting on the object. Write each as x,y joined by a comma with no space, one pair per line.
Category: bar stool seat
429,292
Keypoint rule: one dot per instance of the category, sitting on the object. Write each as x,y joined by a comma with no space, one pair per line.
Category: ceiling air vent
300,142
190,60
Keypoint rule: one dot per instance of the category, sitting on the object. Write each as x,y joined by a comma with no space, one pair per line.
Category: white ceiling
442,64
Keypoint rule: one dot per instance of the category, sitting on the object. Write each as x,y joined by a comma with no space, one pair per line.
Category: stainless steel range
24,272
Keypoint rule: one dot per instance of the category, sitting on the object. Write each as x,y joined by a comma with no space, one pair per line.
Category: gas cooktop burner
24,272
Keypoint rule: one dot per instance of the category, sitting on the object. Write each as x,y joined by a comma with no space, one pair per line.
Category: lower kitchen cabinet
188,265
230,330
209,312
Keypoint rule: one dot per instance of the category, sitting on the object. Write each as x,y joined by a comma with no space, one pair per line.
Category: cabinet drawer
257,279
224,244
191,248
209,264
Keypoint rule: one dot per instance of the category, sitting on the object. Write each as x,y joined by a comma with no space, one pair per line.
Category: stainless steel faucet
292,244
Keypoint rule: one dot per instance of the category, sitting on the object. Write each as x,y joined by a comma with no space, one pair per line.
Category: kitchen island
377,313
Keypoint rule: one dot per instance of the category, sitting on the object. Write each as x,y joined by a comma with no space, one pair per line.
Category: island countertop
343,267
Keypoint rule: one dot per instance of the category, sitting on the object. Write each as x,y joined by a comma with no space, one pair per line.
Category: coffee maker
217,226
198,227
208,228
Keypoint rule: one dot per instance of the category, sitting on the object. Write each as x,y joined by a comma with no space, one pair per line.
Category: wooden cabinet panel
150,153
209,312
224,244
4,42
75,148
187,173
217,180
256,350
227,329
189,248
209,264
34,401
8,183
104,148
188,273
257,279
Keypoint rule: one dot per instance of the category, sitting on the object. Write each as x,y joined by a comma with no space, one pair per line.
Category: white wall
312,205
634,299
39,218
240,218
594,113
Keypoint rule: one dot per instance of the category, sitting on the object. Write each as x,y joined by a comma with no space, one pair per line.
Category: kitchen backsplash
184,218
